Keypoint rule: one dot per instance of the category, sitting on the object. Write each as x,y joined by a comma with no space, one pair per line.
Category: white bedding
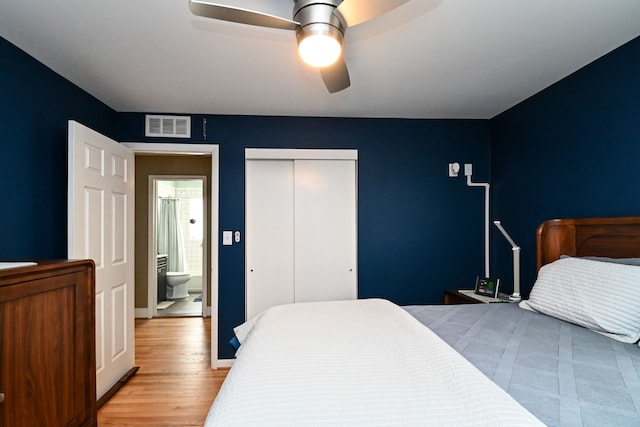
355,363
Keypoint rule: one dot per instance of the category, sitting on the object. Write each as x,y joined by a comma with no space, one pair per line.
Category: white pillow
242,331
628,261
601,296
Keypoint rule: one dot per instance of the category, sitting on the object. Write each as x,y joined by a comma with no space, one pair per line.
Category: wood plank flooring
175,385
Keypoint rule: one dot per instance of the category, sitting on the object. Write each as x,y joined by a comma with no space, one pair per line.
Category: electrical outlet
454,169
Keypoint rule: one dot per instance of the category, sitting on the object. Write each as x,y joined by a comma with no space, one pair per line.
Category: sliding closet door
300,227
325,230
269,234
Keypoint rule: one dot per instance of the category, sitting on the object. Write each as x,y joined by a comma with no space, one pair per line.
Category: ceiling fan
320,27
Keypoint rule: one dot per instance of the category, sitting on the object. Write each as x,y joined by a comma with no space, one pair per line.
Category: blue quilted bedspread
562,373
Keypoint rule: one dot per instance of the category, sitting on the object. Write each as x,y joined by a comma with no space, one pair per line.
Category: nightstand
467,296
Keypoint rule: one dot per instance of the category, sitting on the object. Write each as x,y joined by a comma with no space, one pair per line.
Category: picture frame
487,286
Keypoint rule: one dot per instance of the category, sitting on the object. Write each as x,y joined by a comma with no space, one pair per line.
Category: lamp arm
516,262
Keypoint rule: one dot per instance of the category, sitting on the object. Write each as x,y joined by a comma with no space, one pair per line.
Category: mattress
562,373
354,363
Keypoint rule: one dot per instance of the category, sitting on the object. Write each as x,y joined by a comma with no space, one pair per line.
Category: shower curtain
169,235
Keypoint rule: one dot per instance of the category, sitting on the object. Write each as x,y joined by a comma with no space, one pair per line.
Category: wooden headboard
608,237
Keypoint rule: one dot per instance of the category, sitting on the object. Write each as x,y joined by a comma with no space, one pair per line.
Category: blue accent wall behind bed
572,150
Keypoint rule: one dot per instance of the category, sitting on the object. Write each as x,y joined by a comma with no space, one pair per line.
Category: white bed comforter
354,363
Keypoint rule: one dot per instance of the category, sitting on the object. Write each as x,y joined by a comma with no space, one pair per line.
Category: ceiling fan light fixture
320,27
319,45
319,50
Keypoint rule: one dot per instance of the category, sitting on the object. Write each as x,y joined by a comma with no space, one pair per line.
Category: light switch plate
227,238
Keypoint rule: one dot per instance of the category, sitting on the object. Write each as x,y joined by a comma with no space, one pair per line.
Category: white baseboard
225,363
142,313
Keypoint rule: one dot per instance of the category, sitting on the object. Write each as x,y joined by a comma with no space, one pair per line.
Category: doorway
178,227
186,156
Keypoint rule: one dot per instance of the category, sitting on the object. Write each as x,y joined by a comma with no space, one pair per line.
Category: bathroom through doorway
179,237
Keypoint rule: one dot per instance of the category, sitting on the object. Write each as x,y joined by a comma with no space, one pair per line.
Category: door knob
1,397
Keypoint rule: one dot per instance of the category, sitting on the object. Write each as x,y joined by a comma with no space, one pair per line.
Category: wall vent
168,126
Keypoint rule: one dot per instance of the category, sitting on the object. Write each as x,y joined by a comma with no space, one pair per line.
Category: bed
568,356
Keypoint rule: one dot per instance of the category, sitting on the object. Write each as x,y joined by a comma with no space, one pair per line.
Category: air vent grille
168,126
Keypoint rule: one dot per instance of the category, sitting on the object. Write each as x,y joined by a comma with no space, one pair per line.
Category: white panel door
325,230
269,234
100,227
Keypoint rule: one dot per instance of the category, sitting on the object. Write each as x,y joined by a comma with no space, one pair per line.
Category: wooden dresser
47,345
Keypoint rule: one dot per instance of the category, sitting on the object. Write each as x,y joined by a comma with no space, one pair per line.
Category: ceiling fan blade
336,76
242,16
358,11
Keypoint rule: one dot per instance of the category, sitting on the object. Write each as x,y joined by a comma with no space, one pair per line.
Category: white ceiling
425,59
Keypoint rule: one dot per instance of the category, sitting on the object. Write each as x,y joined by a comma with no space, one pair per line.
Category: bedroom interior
567,150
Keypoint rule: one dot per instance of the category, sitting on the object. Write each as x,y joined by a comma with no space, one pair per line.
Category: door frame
214,151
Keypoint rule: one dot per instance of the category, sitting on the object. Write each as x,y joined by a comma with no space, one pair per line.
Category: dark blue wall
420,231
572,150
35,105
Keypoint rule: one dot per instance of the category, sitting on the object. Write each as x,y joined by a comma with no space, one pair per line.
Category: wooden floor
175,385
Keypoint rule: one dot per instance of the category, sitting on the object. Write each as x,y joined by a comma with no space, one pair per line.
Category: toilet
177,284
